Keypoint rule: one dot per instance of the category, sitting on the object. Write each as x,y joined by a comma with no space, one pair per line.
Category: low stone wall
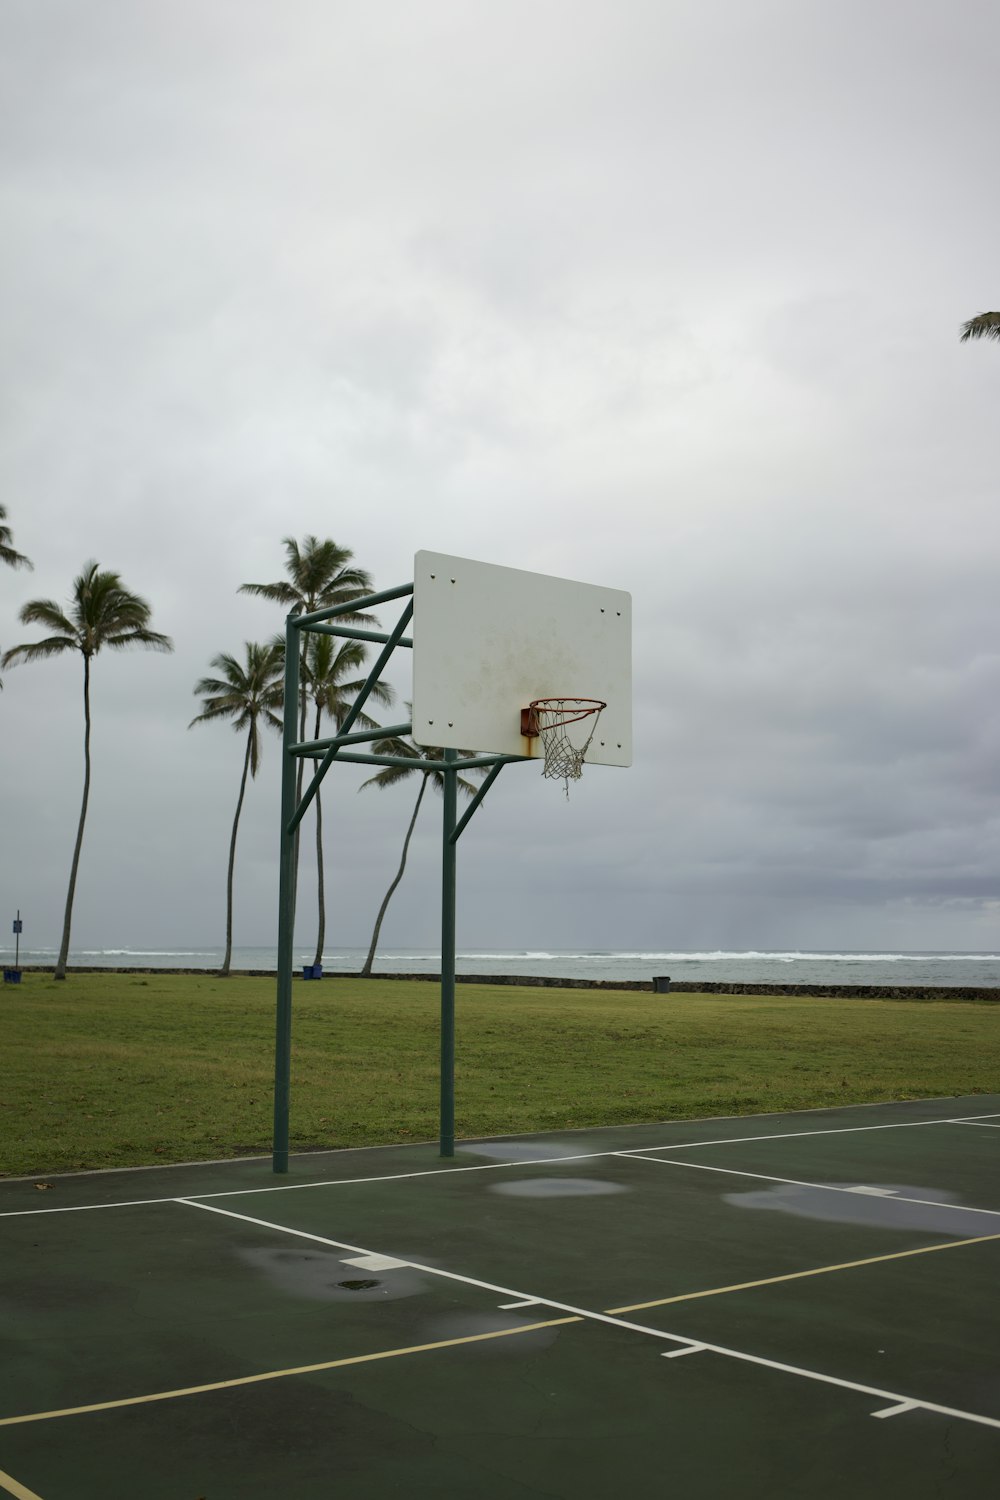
849,991
715,987
683,986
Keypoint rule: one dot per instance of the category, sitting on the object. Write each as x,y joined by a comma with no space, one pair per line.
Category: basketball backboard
488,640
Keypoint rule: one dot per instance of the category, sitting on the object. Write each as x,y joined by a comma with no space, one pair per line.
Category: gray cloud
664,297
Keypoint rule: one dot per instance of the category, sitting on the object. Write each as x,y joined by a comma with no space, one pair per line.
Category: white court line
826,1187
895,1398
510,1135
493,1166
373,1262
894,1411
789,1135
298,1187
416,1265
984,1123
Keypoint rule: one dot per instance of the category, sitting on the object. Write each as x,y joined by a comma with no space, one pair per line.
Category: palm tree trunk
320,890
366,971
299,774
63,958
224,971
320,887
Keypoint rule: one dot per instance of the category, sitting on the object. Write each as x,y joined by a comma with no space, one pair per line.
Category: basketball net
550,719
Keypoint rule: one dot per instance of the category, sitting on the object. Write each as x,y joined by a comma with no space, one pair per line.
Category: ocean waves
810,967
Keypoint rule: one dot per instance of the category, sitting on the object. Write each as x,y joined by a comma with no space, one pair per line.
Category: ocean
766,966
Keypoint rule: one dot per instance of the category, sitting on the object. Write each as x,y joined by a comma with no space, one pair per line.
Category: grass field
125,1069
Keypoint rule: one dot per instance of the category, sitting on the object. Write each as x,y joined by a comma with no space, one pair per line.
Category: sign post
13,976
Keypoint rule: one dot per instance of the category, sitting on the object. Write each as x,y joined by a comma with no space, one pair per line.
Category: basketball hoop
550,718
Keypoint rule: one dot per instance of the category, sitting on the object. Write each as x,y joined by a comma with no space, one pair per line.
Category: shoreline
988,995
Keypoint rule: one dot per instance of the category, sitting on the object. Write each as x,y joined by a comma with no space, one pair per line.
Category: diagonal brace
480,794
356,707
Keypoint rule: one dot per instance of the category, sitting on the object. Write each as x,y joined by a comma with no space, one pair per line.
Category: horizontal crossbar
474,763
313,618
356,737
351,634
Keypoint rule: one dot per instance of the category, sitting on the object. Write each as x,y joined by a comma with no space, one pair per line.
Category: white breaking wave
786,957
147,952
520,953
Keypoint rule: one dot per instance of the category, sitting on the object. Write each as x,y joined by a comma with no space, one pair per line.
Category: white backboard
488,640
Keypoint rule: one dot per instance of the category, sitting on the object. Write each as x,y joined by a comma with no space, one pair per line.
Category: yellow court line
224,1385
19,1491
846,1265
473,1338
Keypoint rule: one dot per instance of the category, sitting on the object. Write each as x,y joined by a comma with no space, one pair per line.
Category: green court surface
771,1305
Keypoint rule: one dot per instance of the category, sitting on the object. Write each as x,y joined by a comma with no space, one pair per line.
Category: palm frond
278,593
983,326
247,693
102,613
394,745
8,553
53,645
218,708
391,775
388,776
47,612
319,575
152,639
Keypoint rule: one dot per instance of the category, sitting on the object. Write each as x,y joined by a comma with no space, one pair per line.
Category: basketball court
784,1304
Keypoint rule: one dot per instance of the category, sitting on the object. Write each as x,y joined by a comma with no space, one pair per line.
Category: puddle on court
557,1187
875,1204
323,1276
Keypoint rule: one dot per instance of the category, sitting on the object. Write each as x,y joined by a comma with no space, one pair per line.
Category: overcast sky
658,294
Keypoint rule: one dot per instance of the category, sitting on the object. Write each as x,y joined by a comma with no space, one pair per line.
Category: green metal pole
286,902
448,863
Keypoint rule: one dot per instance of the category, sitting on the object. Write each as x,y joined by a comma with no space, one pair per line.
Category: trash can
12,976
312,971
661,985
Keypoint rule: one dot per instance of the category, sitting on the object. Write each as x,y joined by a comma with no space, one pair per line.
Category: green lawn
124,1069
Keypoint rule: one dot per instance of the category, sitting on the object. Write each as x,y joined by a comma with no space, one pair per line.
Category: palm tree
389,777
326,666
246,694
102,613
982,326
319,576
7,554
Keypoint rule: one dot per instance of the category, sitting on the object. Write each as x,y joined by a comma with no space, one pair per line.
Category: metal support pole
286,902
448,863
